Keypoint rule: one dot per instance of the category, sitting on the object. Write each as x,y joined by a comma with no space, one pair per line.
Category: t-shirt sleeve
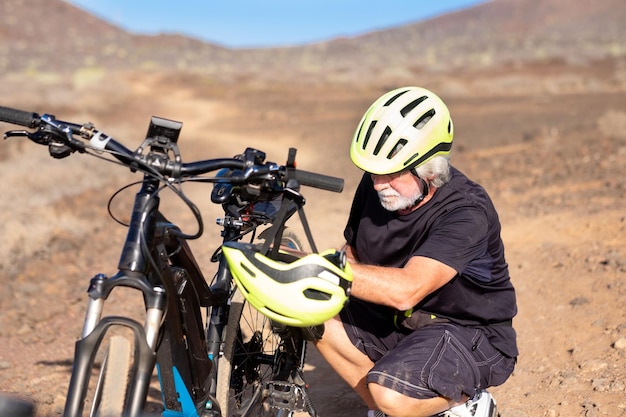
458,238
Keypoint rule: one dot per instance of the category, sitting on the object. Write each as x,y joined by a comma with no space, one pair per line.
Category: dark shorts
439,359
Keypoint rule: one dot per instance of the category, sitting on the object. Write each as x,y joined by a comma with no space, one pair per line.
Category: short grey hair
437,170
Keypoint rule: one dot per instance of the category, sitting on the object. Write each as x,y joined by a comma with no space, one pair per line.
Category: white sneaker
482,405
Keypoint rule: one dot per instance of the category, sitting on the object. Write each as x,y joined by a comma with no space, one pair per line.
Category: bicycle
229,361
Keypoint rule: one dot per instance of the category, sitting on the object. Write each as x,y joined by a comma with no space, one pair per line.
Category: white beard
391,200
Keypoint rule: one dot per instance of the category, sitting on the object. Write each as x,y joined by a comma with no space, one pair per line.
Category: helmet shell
306,292
403,129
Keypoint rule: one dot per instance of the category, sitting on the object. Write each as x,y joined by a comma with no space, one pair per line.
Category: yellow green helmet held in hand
305,292
403,129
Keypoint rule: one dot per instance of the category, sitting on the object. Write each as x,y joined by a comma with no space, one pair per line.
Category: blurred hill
52,35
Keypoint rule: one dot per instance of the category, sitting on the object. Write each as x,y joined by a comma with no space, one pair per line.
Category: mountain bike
213,354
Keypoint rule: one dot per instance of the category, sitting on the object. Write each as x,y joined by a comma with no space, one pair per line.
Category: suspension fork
94,331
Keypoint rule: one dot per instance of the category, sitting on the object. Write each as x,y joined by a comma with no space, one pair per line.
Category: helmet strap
425,188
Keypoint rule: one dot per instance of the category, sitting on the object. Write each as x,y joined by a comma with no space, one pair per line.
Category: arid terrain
546,138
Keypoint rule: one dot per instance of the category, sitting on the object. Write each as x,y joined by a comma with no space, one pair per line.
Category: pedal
287,396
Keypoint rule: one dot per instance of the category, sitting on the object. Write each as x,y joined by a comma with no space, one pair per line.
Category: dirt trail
558,183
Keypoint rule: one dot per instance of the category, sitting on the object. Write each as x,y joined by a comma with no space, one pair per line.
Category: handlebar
19,117
61,137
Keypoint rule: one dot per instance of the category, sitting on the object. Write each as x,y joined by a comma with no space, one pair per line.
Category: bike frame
137,272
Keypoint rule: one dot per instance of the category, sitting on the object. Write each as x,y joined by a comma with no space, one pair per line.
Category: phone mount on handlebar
164,130
161,140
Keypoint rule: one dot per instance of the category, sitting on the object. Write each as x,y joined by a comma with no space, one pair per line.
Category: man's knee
392,403
385,398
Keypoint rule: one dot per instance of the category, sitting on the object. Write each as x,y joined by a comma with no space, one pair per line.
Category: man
429,323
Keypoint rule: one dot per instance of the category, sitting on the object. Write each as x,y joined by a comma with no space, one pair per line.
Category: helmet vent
358,135
392,99
248,270
382,140
368,134
421,122
316,294
411,159
407,109
397,148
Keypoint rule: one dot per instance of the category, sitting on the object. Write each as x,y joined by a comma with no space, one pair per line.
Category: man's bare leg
350,363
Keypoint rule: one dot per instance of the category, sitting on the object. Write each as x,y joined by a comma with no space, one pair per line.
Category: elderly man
429,323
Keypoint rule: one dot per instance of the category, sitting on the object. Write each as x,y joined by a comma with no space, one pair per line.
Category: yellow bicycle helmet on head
305,292
402,130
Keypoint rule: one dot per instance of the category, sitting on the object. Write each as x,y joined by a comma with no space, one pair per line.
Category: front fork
95,328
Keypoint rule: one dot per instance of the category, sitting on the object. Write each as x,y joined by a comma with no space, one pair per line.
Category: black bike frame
171,282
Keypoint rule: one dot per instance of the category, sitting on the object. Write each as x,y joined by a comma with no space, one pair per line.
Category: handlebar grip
324,182
19,117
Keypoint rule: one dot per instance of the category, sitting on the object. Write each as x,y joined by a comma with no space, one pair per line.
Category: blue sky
261,23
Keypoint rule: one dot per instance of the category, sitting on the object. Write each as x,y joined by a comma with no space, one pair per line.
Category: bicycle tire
251,329
114,377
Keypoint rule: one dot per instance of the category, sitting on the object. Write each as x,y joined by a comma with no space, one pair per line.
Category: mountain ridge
36,36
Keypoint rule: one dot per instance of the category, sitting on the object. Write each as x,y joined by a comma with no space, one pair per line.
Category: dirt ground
550,149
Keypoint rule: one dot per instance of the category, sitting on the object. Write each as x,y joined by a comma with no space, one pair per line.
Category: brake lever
39,137
58,149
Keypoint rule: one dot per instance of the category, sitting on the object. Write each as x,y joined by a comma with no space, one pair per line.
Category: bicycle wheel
253,377
110,392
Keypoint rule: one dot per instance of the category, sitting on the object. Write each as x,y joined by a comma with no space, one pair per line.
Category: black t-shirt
459,227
